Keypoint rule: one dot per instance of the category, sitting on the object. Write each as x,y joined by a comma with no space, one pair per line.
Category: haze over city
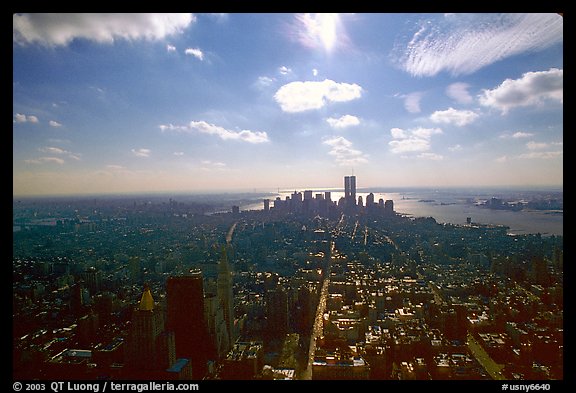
118,103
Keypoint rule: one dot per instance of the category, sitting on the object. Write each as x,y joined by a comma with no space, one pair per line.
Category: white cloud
284,70
520,134
459,92
302,96
178,153
314,72
53,150
141,152
409,145
455,148
412,102
536,145
343,121
208,165
54,123
533,88
59,151
44,160
170,48
172,127
115,167
413,140
430,156
425,133
398,133
222,133
264,81
196,52
466,43
454,116
244,135
344,153
21,118
545,155
55,29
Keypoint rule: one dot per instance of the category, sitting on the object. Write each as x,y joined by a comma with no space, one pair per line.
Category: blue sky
114,103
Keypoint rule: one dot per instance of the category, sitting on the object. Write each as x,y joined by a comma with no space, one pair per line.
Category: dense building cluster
305,289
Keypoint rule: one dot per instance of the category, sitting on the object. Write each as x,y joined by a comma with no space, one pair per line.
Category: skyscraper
346,187
149,347
225,295
350,190
185,303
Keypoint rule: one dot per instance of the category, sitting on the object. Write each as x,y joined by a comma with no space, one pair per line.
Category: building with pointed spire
226,296
150,348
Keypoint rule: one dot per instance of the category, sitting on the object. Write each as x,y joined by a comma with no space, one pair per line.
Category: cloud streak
303,96
59,29
224,134
466,43
196,52
145,153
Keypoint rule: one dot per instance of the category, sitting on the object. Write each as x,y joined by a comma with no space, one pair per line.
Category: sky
128,103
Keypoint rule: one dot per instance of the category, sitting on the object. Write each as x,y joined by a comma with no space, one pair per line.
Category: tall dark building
350,190
226,296
186,318
277,311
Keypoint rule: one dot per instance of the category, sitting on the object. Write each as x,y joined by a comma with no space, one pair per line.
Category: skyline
126,103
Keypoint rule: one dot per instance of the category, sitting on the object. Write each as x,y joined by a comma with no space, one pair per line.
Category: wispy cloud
459,92
302,96
412,101
196,52
344,153
413,140
343,121
115,167
283,70
59,151
222,133
536,145
263,82
56,29
54,123
430,156
21,118
170,48
45,160
533,88
465,43
208,165
141,152
454,116
545,155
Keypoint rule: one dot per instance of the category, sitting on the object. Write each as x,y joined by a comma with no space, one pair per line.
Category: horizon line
278,190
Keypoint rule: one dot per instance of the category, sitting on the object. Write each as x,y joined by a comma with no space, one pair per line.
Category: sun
320,30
